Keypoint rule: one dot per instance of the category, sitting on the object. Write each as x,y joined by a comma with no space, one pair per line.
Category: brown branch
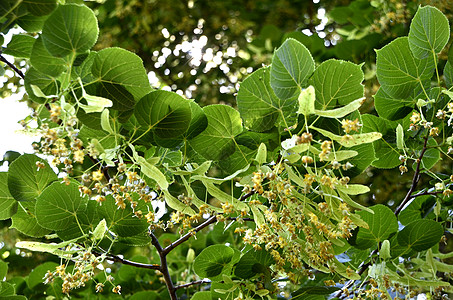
119,259
426,193
415,179
12,66
164,266
188,235
191,283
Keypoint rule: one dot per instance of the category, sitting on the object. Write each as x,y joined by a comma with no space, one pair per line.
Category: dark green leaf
3,269
391,108
71,28
206,295
25,181
24,220
381,224
217,140
417,209
35,278
168,114
120,96
46,83
40,7
44,62
250,263
8,205
31,23
429,32
292,65
337,82
121,221
448,73
57,206
20,46
122,67
398,72
145,295
6,290
314,290
420,235
214,261
258,105
198,122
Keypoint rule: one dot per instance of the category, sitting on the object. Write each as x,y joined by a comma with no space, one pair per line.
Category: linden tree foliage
140,193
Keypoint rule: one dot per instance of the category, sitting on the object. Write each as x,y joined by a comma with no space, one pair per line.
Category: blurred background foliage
203,49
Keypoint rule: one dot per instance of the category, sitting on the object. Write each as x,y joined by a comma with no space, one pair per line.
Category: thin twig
426,193
191,283
188,235
12,66
119,259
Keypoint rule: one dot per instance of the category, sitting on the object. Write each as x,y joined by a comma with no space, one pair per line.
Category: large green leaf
120,96
252,263
385,149
292,65
258,105
337,82
198,121
122,67
40,7
31,23
44,62
217,140
71,28
25,181
168,114
121,221
391,108
24,220
448,74
398,72
429,32
20,46
8,205
381,224
417,209
57,206
46,83
420,235
214,261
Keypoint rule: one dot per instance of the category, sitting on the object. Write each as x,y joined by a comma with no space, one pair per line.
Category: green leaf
71,28
120,96
168,114
313,290
8,205
25,182
214,261
399,137
57,206
40,7
398,72
35,278
337,82
201,295
3,269
44,62
46,84
147,295
24,221
252,263
381,224
429,32
385,149
292,65
7,291
259,107
352,140
121,221
306,100
391,108
20,46
417,209
420,235
31,23
198,121
354,189
217,140
341,111
121,67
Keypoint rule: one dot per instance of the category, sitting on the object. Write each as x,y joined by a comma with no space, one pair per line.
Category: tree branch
164,266
119,259
191,283
12,66
187,236
415,179
426,193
